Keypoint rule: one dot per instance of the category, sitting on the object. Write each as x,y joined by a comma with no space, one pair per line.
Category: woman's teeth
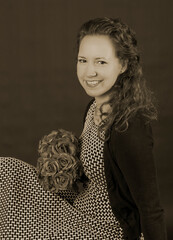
92,83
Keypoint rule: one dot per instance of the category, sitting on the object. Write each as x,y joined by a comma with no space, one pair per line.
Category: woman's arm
133,152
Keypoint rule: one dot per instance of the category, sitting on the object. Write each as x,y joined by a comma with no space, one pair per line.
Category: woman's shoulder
133,146
138,130
138,123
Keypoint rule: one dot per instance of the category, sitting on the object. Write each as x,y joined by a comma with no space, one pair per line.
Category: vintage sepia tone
39,89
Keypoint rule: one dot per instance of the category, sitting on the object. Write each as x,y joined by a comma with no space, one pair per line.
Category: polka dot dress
94,201
27,211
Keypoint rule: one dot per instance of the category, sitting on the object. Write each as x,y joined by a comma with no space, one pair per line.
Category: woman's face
97,66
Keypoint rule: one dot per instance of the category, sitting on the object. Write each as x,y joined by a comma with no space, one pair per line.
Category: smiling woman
118,120
118,197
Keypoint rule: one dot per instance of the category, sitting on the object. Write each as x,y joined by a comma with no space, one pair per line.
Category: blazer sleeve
133,153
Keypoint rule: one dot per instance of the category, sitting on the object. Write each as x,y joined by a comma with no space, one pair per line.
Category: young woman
120,199
117,138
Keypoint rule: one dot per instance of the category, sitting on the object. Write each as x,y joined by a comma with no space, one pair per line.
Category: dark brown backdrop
39,90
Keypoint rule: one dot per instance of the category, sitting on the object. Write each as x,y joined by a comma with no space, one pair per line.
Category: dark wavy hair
129,94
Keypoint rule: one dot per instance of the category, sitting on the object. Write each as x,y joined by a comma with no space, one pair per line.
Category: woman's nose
91,71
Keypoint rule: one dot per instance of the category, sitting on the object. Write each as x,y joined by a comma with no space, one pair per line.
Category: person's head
111,38
98,67
109,65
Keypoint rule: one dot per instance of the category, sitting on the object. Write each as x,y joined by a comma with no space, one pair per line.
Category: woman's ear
124,66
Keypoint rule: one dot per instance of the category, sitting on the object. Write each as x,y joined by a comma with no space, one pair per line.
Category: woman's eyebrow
97,58
100,58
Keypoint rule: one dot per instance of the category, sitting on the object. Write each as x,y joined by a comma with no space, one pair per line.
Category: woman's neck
101,100
106,108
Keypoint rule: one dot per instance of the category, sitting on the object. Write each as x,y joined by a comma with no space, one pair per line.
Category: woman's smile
93,83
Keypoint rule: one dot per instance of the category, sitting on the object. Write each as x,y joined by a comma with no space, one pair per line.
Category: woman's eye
101,62
81,60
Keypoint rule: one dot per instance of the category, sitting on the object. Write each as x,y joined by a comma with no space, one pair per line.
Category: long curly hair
129,94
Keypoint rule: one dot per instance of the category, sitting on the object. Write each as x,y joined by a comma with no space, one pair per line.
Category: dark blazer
132,181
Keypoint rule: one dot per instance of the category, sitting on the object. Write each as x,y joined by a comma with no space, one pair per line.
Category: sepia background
39,90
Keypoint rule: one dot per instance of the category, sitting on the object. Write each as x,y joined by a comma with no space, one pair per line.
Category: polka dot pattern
94,199
27,211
